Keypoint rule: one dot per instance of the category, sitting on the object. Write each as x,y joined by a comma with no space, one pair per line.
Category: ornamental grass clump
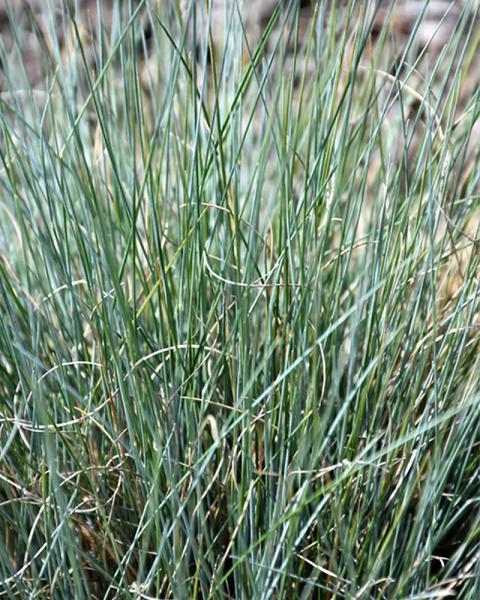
239,288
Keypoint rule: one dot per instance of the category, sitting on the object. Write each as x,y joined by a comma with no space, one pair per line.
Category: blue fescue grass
240,308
